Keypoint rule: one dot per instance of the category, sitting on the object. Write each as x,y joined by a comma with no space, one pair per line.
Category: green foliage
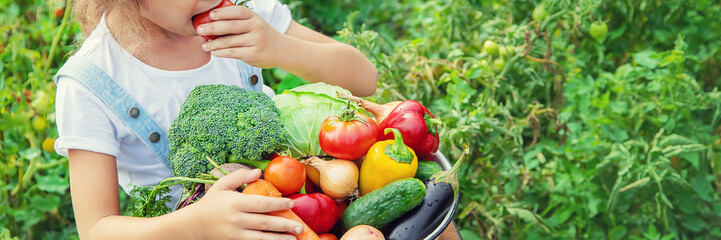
34,190
218,121
572,137
150,201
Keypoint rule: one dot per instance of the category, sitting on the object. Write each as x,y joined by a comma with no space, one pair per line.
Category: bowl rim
441,159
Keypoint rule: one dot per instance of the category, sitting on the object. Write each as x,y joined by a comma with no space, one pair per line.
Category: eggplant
420,222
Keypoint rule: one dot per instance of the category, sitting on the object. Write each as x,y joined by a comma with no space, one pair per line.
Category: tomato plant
285,173
348,136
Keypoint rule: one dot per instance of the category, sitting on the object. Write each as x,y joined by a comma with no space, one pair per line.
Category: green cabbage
303,109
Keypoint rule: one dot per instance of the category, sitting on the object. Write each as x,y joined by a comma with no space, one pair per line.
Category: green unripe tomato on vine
42,101
511,51
506,51
502,51
483,63
499,64
539,13
598,30
39,124
490,47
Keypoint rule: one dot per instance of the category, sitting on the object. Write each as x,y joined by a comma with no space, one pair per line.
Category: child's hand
244,35
224,213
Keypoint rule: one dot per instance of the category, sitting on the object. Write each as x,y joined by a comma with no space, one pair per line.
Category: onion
363,232
338,178
312,174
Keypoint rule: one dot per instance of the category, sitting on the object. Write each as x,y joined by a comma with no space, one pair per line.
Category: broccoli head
218,121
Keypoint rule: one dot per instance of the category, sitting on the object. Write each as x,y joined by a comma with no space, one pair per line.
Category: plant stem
216,166
56,40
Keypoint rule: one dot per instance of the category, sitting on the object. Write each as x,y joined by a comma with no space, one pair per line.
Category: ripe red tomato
327,236
348,136
60,12
205,18
286,174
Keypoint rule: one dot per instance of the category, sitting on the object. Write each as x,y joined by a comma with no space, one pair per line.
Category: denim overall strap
120,102
250,76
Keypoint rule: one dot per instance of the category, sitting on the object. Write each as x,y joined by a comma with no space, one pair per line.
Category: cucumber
385,204
426,169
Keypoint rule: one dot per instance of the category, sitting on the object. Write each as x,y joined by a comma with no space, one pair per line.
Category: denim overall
127,109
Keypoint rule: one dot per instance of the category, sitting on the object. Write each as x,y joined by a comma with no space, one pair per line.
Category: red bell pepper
317,210
416,123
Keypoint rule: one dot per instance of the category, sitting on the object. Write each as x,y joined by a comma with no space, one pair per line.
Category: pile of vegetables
349,175
302,111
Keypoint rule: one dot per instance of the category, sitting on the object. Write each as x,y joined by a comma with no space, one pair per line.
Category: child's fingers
232,12
226,27
235,179
249,55
264,222
251,234
228,41
262,204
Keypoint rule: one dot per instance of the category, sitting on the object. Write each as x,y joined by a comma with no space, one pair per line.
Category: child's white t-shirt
85,122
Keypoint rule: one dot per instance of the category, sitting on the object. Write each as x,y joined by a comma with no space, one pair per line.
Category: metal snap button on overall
134,112
154,137
253,79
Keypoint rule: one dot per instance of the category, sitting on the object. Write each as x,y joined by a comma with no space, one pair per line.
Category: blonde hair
123,18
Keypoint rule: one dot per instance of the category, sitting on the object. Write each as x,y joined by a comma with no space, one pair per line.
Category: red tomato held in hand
204,18
316,210
286,174
348,136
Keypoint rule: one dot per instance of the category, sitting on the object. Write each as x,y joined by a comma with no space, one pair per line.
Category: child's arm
222,213
301,51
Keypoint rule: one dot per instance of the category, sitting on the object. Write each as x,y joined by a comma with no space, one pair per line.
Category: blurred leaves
615,139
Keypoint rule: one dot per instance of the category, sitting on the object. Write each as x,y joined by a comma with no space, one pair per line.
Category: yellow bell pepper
387,161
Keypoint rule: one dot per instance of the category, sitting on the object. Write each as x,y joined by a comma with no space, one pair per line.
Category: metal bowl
445,165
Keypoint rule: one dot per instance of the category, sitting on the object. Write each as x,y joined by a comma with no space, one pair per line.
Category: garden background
575,132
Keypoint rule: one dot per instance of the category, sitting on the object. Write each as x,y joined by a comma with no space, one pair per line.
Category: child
119,93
